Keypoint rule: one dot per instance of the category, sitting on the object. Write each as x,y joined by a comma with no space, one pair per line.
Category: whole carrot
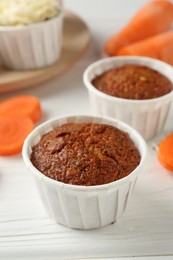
153,18
158,47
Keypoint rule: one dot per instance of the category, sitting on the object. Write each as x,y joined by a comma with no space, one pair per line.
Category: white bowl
33,46
83,207
146,116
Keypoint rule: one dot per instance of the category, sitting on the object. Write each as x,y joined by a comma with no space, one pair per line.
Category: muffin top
25,12
85,154
133,82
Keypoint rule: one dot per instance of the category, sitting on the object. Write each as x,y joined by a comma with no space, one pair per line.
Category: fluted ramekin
33,46
146,116
83,207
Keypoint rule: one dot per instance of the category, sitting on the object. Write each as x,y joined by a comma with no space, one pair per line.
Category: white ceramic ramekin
83,207
33,46
146,116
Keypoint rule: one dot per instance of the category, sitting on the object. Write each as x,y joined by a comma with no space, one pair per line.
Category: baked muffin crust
133,82
85,154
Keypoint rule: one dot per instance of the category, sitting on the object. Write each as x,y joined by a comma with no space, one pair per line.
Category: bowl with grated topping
30,33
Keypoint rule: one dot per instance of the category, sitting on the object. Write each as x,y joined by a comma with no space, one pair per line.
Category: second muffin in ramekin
71,162
30,33
147,116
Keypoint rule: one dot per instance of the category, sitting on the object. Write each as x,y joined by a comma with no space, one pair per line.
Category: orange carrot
158,47
153,18
28,106
13,131
165,152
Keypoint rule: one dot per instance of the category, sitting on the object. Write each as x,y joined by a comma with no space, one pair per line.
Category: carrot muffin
133,82
85,154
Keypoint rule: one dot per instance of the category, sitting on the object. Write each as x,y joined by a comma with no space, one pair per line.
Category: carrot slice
165,152
158,47
13,131
153,18
28,106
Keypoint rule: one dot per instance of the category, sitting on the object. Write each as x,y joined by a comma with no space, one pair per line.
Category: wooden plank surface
144,232
145,228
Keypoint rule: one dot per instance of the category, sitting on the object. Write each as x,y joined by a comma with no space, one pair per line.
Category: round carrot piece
165,152
13,131
28,106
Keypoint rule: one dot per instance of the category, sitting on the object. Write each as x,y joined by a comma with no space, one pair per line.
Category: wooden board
76,39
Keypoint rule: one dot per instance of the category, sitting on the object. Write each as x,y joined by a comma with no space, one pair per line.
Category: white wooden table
146,229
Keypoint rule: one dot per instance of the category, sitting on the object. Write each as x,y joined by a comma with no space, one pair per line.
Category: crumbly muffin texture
133,82
85,154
